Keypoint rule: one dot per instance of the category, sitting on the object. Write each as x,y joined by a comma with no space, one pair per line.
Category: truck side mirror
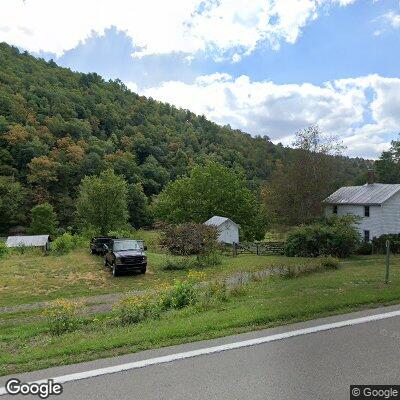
145,248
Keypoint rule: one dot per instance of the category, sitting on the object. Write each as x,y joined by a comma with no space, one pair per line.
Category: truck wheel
105,262
115,271
143,270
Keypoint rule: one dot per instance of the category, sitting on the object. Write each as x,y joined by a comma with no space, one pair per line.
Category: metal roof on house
372,194
28,241
217,221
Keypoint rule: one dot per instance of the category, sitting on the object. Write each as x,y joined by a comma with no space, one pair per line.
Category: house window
334,209
366,211
366,236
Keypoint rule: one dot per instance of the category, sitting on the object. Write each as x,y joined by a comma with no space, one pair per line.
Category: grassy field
33,277
26,344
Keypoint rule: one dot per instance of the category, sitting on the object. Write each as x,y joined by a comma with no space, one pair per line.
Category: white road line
216,349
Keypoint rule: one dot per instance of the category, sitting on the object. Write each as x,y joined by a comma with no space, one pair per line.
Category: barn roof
372,194
28,241
217,221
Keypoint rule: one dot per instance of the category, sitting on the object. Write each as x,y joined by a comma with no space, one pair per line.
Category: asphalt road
319,365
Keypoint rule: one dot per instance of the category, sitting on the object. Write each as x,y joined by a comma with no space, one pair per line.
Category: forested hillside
56,126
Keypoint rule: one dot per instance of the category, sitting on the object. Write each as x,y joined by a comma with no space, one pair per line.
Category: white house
29,241
377,205
227,229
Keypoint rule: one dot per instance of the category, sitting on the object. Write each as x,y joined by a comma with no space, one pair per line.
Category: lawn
26,344
33,277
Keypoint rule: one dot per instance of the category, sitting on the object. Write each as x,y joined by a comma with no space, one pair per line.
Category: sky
268,67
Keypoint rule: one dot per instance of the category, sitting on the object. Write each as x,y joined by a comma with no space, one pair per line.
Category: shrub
336,237
62,316
180,295
379,243
3,249
80,241
201,261
212,259
63,244
330,262
176,264
123,233
189,239
217,290
134,309
365,249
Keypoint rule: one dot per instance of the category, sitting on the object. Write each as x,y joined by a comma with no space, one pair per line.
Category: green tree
12,203
211,190
139,211
388,165
102,202
43,220
297,188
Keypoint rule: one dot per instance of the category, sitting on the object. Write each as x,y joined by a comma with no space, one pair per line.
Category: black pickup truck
125,255
97,244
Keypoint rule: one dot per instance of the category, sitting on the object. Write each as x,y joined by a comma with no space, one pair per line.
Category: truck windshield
126,245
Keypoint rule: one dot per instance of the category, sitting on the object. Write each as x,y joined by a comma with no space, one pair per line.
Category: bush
181,294
217,290
80,241
134,309
201,261
212,259
63,244
379,243
123,233
189,239
336,237
62,316
330,262
176,264
365,249
3,250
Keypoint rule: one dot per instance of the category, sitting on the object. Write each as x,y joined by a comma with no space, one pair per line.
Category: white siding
228,233
391,215
373,223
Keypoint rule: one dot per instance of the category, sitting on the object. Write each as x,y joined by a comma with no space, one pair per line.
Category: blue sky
268,67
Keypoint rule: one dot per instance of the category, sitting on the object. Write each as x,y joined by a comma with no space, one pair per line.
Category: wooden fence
259,248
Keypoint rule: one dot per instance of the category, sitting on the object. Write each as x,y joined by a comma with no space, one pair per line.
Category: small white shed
29,241
227,229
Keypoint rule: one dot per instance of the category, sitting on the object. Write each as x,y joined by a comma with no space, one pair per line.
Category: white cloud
159,26
393,19
362,111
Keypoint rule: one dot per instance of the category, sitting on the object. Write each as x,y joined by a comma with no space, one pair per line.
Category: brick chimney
371,176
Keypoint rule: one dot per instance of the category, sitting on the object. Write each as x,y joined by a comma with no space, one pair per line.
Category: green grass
26,345
33,277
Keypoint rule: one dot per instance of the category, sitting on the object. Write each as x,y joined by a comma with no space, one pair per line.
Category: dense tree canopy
58,126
